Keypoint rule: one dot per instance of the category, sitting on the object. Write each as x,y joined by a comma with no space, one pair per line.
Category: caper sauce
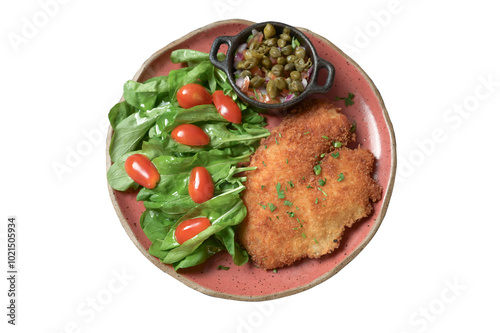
274,67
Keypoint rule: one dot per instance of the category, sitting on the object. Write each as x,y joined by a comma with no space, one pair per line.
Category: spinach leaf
155,224
119,112
222,211
187,55
147,95
192,57
175,116
222,135
171,193
130,131
227,237
118,178
207,249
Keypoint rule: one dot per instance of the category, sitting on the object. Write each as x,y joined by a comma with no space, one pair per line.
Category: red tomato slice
142,170
190,228
190,135
201,185
193,94
227,107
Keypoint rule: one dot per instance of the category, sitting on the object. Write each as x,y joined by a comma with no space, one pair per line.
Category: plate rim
376,225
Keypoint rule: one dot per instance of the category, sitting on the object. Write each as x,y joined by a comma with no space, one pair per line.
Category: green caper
246,73
271,89
281,42
277,70
302,65
296,86
254,45
286,30
291,58
248,55
256,81
263,49
269,31
300,52
286,37
270,41
256,54
281,60
289,67
287,50
241,65
266,62
251,63
274,52
280,83
295,75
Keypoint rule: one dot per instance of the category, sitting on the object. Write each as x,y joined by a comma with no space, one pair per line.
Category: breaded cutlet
305,192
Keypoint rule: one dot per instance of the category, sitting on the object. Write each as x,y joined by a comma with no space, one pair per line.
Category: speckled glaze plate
247,282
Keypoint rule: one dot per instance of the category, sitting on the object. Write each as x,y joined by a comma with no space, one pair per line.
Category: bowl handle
228,40
315,88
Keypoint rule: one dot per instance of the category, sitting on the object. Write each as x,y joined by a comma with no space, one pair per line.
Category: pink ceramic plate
374,131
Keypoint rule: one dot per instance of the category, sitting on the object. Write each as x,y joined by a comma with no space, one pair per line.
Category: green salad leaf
143,123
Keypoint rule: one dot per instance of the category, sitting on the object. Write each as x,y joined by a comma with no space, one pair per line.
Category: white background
432,266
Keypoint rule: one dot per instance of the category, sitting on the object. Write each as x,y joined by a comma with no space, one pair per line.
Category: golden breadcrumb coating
295,210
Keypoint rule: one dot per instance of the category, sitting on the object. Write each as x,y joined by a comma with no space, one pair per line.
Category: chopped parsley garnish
324,137
322,155
316,201
276,139
315,240
275,271
281,193
271,207
317,169
291,214
341,177
336,154
322,192
262,187
279,135
304,235
265,147
295,43
263,206
288,203
353,127
309,186
224,268
348,100
306,133
287,161
264,163
322,182
291,184
337,144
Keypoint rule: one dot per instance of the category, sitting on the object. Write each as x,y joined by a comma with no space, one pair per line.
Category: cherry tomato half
190,135
227,107
201,185
193,94
142,170
190,228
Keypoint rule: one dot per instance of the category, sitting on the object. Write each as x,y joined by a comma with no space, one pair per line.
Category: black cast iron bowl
233,42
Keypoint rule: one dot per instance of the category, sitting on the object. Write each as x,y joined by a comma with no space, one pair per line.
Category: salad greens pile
143,123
